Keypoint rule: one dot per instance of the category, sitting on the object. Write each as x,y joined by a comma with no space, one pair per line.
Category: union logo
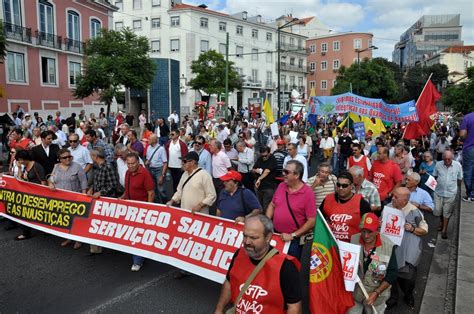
320,265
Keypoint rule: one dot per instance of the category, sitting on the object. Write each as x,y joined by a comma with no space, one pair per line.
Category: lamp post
359,51
293,21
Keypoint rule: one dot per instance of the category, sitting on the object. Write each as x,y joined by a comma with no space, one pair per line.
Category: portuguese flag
327,293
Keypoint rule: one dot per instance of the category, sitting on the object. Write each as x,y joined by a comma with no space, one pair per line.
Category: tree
113,60
209,69
417,76
371,78
460,98
3,43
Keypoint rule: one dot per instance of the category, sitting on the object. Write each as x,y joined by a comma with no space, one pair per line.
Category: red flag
299,115
425,106
327,293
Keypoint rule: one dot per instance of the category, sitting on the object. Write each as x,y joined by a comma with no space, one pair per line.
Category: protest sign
201,244
368,107
359,130
274,129
349,254
393,221
431,182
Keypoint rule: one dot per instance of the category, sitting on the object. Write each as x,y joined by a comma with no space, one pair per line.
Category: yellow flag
268,112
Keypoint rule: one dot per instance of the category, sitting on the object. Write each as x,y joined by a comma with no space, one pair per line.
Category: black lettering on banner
43,210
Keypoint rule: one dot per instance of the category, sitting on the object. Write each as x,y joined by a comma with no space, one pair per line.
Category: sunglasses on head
342,185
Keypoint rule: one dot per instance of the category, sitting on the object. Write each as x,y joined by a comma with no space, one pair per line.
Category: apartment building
45,46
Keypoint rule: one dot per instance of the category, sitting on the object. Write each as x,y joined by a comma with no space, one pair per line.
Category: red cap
370,222
232,175
281,142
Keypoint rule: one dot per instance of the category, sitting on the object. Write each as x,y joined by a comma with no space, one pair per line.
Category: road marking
128,294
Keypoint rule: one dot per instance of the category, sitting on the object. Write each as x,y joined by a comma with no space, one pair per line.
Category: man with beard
284,297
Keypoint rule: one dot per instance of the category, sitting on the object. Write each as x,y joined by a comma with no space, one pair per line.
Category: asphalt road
39,276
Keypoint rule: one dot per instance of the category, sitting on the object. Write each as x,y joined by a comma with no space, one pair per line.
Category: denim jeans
160,190
163,140
334,163
138,260
468,170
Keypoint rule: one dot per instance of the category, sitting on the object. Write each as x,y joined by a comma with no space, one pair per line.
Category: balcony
293,48
270,85
17,32
250,83
48,40
292,68
74,45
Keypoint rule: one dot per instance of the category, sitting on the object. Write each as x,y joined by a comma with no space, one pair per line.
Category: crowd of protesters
237,168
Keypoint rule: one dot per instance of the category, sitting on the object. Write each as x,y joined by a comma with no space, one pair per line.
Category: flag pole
416,104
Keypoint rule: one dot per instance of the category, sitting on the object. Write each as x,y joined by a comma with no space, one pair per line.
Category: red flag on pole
425,107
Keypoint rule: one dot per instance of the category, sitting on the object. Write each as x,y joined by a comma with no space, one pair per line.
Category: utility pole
226,104
278,74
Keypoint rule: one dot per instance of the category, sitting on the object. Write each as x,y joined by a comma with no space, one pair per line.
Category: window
174,21
300,81
73,31
155,46
292,41
254,75
137,4
357,44
119,5
222,48
16,67
312,48
155,3
312,84
283,79
324,65
204,45
74,72
336,45
239,51
137,24
312,66
282,39
12,11
222,26
269,77
240,71
254,54
324,47
48,70
174,44
155,22
269,36
333,83
239,30
324,84
269,57
254,33
335,64
292,81
292,61
118,26
369,42
96,25
300,63
46,17
204,22
300,43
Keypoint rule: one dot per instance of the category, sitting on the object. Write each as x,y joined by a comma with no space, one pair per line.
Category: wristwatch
293,235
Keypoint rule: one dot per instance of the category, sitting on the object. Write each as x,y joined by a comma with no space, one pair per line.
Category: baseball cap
190,156
232,175
370,222
281,142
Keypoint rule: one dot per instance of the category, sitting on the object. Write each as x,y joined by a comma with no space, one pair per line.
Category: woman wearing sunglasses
68,175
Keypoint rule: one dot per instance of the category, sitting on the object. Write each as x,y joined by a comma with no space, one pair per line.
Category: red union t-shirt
137,184
384,176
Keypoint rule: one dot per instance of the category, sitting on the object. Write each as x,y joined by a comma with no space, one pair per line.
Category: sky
385,19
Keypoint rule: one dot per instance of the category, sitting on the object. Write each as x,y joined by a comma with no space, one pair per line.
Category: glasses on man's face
65,157
342,185
287,172
198,143
73,141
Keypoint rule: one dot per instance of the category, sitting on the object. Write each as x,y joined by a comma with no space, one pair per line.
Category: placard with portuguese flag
327,293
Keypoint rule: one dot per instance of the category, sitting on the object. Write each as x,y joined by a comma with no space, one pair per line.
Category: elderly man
293,208
244,161
121,152
327,145
95,142
378,269
418,197
323,183
366,188
409,252
343,210
385,175
123,139
175,151
279,276
293,155
157,163
220,164
448,174
79,153
205,159
234,202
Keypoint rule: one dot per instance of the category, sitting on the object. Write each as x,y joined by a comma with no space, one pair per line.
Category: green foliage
460,98
209,69
115,59
417,76
3,44
372,78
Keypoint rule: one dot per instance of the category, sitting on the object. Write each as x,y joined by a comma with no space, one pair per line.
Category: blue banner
359,129
363,106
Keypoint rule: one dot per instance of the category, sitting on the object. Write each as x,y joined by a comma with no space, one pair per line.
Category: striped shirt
321,191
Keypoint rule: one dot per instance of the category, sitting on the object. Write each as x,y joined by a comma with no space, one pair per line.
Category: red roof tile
459,49
184,6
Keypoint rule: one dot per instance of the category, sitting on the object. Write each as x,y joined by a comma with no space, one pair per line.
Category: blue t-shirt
231,206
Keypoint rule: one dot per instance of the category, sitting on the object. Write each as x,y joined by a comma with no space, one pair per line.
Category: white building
180,31
457,59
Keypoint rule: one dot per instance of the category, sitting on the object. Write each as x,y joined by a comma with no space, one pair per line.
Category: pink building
45,45
328,53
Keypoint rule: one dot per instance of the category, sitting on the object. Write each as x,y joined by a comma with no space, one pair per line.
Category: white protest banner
274,129
294,137
349,254
393,221
431,182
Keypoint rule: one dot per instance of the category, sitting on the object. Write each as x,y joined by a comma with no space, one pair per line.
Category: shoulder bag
308,237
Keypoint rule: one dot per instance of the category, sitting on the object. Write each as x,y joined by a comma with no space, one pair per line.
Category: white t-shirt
174,154
327,143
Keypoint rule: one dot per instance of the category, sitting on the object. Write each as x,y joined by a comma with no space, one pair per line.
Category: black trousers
265,197
176,174
406,283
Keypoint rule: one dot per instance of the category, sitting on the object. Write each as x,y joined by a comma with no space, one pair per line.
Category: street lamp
293,21
359,51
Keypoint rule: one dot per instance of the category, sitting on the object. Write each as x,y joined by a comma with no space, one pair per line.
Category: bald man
157,164
409,252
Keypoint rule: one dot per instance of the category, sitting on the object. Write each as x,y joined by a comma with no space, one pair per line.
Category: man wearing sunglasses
205,159
343,210
79,153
